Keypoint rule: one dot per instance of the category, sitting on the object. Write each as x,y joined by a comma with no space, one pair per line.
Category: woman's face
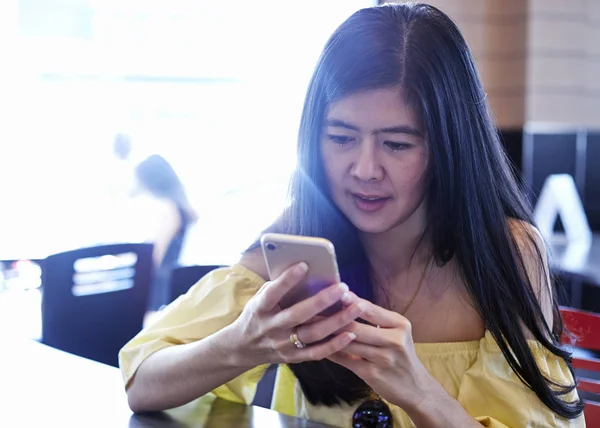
375,156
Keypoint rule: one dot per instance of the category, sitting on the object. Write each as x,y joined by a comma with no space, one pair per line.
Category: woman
450,319
174,214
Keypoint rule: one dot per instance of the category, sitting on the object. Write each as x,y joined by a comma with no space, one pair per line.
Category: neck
392,252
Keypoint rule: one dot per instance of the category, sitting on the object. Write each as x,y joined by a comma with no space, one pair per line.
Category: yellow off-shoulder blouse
475,373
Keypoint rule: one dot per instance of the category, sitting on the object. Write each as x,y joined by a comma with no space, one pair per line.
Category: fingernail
352,335
301,269
357,310
347,298
343,286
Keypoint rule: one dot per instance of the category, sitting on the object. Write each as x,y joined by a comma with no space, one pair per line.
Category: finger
377,315
323,350
374,354
347,299
305,310
373,335
315,319
277,288
351,363
319,330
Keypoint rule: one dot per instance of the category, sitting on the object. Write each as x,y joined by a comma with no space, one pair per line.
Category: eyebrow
398,129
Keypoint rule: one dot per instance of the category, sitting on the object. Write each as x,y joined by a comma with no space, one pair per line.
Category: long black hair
471,195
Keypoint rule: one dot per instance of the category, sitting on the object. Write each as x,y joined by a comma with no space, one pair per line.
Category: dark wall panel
512,139
592,180
546,154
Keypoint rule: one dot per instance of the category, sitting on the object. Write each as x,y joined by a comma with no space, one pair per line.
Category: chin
371,226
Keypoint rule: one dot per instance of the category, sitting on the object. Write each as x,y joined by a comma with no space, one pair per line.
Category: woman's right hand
263,330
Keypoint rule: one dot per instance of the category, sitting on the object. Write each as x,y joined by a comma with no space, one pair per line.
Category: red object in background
583,333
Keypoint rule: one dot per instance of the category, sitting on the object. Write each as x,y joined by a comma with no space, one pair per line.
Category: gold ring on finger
295,341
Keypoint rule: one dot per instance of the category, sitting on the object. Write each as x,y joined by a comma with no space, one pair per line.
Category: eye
396,146
340,139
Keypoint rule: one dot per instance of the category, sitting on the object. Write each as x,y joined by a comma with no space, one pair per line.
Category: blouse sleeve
213,303
492,392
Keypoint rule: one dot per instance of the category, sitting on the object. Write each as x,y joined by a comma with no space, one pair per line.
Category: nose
366,165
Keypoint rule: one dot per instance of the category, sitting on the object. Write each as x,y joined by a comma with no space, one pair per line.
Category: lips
369,203
369,197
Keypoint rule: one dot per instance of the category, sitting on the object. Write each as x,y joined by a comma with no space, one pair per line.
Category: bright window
215,87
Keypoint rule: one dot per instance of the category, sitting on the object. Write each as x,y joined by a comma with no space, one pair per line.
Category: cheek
411,175
334,168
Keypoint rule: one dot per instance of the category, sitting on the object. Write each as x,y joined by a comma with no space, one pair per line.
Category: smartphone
282,251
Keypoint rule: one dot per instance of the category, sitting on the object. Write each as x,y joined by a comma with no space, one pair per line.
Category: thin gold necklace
416,293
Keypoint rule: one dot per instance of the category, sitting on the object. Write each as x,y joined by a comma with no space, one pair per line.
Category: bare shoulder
527,237
532,249
254,261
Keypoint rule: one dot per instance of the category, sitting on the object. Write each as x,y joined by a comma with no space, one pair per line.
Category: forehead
372,109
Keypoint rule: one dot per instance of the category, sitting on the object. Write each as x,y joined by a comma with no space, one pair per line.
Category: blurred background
216,89
204,84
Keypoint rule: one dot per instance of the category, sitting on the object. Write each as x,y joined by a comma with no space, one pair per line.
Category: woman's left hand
383,355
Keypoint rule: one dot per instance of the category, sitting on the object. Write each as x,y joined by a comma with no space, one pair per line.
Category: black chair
183,277
94,299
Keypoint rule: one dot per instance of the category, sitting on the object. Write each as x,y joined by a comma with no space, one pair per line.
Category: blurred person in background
122,146
116,201
122,169
173,215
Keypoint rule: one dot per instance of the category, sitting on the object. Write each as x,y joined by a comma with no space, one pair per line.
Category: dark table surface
42,386
578,259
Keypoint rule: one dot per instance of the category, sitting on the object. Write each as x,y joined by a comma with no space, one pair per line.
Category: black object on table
43,386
